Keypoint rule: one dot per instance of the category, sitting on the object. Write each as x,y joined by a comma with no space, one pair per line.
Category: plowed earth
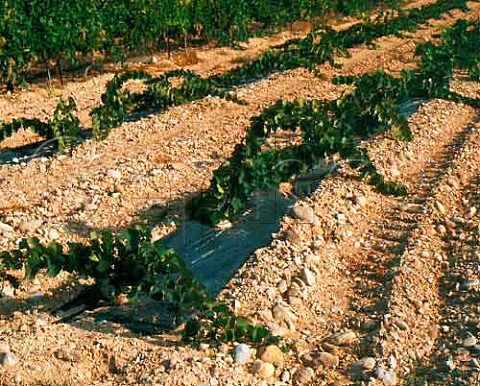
398,278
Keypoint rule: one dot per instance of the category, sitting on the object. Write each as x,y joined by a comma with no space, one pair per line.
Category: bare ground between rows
451,354
454,360
387,228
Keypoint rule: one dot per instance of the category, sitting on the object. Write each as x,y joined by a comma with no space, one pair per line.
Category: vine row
47,32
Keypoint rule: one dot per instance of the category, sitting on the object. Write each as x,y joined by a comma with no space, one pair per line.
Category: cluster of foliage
330,127
321,45
47,31
64,127
459,48
129,263
317,48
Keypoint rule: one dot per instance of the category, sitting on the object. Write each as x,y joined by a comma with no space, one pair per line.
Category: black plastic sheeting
215,255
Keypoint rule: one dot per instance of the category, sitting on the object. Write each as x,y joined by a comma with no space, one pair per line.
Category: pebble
305,213
5,228
53,234
4,348
394,172
7,359
17,379
308,277
118,188
223,225
402,325
283,314
469,342
282,286
7,291
114,174
30,226
366,363
242,353
263,370
327,360
277,330
303,375
472,211
266,371
343,338
285,377
388,377
271,354
440,207
361,200
293,236
67,353
341,219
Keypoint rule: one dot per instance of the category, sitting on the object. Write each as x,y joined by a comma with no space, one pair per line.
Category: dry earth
379,290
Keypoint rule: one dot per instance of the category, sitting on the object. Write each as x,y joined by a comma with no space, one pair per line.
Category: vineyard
367,122
49,35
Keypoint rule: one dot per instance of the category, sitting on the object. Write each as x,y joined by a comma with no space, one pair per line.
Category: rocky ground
373,289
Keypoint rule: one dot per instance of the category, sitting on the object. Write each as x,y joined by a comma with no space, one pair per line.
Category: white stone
8,359
114,174
388,377
309,277
242,353
5,228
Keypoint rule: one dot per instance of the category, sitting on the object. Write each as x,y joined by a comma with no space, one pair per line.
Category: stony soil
375,290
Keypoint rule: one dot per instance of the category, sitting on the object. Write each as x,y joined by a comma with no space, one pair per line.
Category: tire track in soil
391,233
455,356
404,217
409,323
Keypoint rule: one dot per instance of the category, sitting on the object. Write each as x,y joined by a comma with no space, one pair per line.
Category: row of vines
317,48
44,32
130,263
